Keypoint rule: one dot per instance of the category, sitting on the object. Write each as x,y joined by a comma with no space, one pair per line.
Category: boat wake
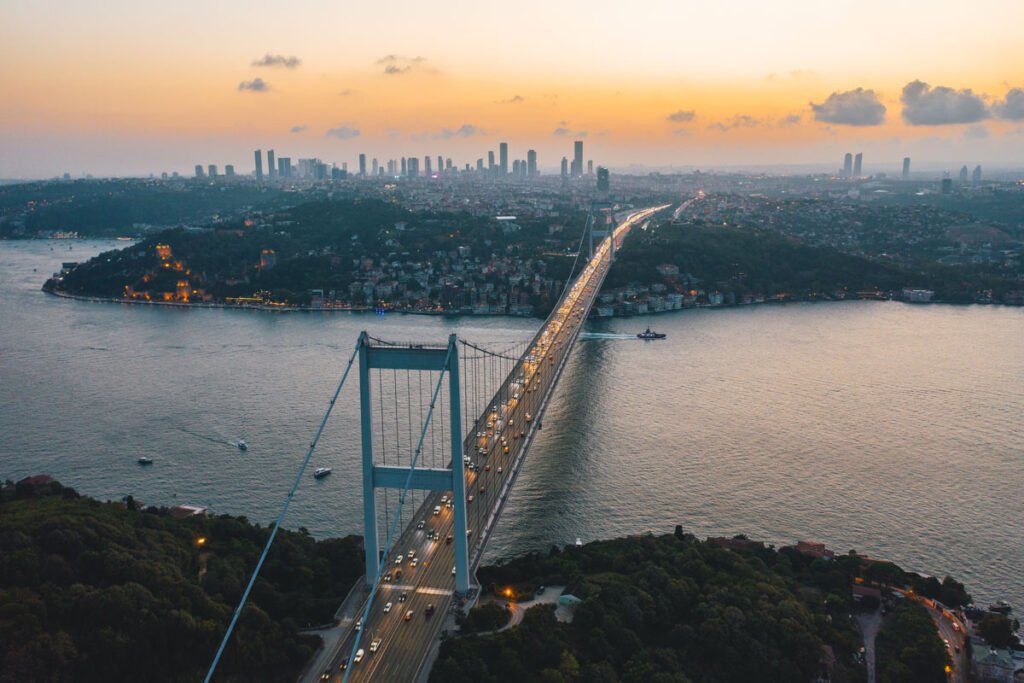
605,335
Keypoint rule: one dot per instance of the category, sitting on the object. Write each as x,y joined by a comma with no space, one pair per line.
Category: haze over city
123,88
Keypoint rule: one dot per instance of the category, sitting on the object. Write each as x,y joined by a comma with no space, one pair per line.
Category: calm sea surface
892,429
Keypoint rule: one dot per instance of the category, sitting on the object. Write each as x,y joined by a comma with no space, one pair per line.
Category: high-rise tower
259,164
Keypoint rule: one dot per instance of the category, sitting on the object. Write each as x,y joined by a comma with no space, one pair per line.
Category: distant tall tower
199,171
373,166
577,161
963,174
602,179
480,165
906,168
857,162
212,170
440,165
229,171
362,165
976,175
413,166
531,163
947,183
490,161
426,166
503,158
404,170
565,168
271,167
259,164
590,167
847,165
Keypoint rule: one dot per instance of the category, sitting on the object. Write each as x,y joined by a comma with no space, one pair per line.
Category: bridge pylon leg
458,473
370,539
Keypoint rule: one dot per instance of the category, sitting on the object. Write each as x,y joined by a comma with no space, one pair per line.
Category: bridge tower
600,224
442,359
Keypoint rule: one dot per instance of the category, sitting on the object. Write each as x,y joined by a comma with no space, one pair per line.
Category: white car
375,645
359,656
415,562
437,509
453,571
399,559
359,624
387,607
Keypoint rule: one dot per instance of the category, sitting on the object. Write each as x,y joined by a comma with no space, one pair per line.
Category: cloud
681,132
938,106
395,65
466,130
791,120
343,132
347,92
301,128
1012,107
976,132
563,132
268,59
255,85
515,99
681,116
858,107
738,121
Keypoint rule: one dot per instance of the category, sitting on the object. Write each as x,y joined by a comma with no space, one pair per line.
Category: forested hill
93,591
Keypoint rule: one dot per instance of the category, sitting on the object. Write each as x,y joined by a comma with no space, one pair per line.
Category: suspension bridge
445,428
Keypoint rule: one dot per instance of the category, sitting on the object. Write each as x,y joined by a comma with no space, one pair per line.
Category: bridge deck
507,430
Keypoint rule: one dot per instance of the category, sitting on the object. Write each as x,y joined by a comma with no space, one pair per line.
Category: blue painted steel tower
445,359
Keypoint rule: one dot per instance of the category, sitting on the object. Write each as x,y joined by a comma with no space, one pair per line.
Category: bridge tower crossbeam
441,359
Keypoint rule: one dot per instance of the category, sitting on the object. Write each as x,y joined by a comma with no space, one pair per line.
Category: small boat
145,461
242,446
647,334
579,542
1000,607
321,472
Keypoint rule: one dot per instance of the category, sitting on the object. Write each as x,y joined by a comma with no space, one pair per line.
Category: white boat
242,446
145,461
321,472
579,542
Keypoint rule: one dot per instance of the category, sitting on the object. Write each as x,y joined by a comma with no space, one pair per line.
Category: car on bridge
375,645
358,656
408,615
387,607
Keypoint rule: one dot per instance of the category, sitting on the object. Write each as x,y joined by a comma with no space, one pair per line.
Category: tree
997,630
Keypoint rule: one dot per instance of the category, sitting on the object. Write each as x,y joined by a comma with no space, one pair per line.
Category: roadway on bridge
496,445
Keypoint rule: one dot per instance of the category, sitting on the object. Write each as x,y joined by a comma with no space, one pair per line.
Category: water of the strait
896,430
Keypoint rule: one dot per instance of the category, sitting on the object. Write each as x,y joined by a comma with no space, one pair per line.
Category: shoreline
457,314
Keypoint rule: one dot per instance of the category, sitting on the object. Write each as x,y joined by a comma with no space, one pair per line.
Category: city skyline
794,83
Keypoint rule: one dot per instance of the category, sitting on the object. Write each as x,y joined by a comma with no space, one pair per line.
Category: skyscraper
515,168
857,161
531,163
976,176
426,166
440,165
199,171
847,165
565,168
229,171
362,165
284,167
480,165
271,170
590,167
963,174
906,168
404,170
490,161
602,179
212,170
413,165
577,161
503,158
259,164
373,167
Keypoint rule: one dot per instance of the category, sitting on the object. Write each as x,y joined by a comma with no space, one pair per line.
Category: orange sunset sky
121,87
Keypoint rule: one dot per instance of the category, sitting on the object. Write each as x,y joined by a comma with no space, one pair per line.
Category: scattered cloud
343,132
515,99
938,106
347,92
1011,108
396,65
738,121
466,130
268,59
563,132
681,116
301,128
681,132
976,132
858,107
255,85
791,120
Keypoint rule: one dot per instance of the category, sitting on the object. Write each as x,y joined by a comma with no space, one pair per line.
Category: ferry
145,461
242,446
647,334
321,472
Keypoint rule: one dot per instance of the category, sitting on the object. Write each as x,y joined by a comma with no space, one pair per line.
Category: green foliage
665,608
909,649
489,617
91,591
997,630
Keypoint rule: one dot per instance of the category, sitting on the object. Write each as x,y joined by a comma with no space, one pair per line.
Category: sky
123,87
